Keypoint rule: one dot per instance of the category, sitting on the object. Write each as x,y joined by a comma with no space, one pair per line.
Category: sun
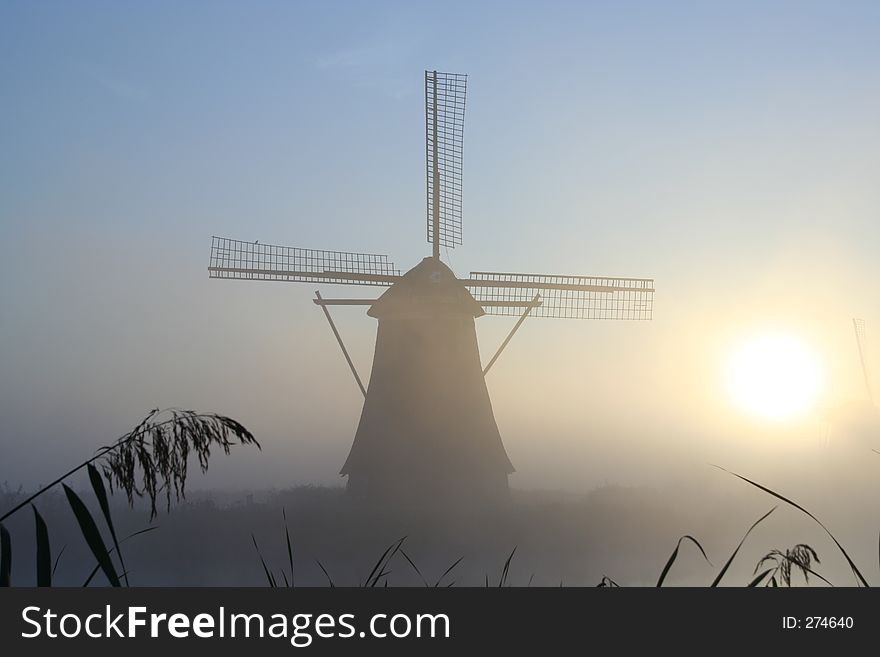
774,377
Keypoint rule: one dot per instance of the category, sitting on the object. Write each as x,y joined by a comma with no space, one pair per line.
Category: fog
732,159
578,403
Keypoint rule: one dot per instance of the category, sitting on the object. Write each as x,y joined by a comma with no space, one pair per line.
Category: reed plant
151,461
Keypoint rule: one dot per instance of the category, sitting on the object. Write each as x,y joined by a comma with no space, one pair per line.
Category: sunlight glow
775,377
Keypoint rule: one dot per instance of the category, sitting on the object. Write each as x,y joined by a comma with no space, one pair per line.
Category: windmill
427,430
859,328
857,421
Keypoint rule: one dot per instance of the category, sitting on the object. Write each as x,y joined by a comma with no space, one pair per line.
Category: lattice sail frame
268,262
566,297
444,144
859,325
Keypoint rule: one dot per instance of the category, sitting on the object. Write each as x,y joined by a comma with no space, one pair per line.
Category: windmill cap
430,288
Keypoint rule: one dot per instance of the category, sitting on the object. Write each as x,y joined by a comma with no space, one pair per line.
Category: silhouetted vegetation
156,452
801,556
150,463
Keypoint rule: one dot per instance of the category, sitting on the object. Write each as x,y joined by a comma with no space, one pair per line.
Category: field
626,534
136,524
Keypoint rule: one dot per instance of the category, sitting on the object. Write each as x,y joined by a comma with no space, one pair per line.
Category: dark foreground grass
151,458
313,537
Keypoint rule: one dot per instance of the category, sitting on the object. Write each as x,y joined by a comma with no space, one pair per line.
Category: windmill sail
859,326
267,262
567,297
444,132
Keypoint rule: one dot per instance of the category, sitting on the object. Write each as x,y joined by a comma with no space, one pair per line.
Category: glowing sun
775,377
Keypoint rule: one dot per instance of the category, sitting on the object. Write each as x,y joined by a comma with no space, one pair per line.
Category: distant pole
341,344
512,331
859,337
436,209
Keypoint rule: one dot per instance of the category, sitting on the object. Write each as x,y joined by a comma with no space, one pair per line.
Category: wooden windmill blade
566,297
267,262
444,136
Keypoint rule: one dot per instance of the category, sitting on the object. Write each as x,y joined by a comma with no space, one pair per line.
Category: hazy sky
730,150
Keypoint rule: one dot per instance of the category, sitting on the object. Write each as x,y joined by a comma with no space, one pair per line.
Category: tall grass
674,556
858,574
151,458
151,462
800,557
723,570
782,563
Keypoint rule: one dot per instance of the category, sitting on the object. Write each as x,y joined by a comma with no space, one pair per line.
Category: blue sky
730,150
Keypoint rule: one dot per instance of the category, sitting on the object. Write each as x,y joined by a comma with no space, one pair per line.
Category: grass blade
448,570
732,556
506,570
93,537
797,506
91,575
289,548
326,574
807,569
44,552
373,578
101,493
98,566
5,557
415,567
759,578
674,556
269,576
57,559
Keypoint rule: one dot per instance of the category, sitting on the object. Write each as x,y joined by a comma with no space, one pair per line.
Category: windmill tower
427,430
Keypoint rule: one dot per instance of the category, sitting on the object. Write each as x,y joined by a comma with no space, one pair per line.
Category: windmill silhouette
859,328
857,420
427,431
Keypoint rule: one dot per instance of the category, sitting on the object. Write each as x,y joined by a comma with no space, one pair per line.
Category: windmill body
427,427
427,432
